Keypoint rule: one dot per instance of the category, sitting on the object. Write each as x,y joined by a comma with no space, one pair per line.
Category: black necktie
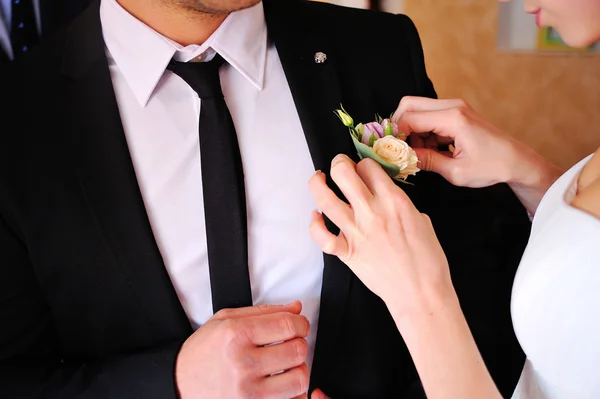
23,27
223,187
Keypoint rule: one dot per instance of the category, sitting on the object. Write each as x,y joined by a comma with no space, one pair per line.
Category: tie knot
203,77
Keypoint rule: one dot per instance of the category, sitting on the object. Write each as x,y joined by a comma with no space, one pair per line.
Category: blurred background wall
548,100
551,101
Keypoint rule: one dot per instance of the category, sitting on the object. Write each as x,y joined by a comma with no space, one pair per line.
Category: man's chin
220,6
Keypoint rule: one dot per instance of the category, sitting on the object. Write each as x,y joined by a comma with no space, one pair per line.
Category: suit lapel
316,92
103,163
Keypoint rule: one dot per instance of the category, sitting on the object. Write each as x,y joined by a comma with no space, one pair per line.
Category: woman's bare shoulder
588,187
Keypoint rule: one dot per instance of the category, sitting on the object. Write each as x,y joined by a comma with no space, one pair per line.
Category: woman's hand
393,249
384,239
483,156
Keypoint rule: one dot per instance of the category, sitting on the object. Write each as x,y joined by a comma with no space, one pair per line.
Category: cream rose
399,153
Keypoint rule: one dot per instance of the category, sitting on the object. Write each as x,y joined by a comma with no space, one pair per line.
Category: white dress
556,299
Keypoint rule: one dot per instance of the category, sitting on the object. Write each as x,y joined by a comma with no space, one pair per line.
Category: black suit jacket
86,304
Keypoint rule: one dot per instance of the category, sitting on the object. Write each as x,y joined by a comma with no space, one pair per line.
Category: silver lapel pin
320,57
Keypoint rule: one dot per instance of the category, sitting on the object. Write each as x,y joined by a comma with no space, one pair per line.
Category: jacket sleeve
409,31
31,358
31,365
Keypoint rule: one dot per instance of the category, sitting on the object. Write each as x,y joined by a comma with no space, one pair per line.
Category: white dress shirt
160,115
5,17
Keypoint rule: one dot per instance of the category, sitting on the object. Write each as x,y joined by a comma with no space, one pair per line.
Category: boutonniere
381,141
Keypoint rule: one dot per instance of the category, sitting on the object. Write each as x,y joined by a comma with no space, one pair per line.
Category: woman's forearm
444,351
530,177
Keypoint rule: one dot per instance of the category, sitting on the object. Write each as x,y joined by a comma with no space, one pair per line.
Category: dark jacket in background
54,15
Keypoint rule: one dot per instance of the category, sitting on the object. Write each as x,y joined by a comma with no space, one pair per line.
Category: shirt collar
142,54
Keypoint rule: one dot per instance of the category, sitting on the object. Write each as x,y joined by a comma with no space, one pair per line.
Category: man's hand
258,351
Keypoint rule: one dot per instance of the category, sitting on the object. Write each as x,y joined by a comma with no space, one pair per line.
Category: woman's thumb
433,161
318,394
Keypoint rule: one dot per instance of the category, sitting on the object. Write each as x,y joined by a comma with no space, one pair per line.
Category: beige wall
551,102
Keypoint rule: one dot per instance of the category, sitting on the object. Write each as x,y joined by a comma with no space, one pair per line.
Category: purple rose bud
376,127
372,128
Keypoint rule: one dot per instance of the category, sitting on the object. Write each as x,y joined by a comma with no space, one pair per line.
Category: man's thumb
433,161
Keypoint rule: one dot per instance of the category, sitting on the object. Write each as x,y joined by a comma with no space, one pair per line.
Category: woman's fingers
336,210
328,242
382,239
318,394
411,104
343,173
377,181
433,161
446,123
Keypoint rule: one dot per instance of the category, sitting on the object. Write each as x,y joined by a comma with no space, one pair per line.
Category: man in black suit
98,296
24,23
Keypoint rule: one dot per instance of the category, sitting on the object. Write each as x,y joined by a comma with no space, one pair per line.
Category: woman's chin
578,39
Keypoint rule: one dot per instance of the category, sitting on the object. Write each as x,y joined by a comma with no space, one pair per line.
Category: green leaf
364,151
372,139
355,133
399,180
358,131
389,130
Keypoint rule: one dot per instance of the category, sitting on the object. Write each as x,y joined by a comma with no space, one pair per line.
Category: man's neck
179,24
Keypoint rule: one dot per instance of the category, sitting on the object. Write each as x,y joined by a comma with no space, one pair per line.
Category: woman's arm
531,176
443,349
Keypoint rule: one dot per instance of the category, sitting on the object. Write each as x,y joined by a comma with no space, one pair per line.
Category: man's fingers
275,327
327,241
336,210
294,307
289,384
272,359
411,104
